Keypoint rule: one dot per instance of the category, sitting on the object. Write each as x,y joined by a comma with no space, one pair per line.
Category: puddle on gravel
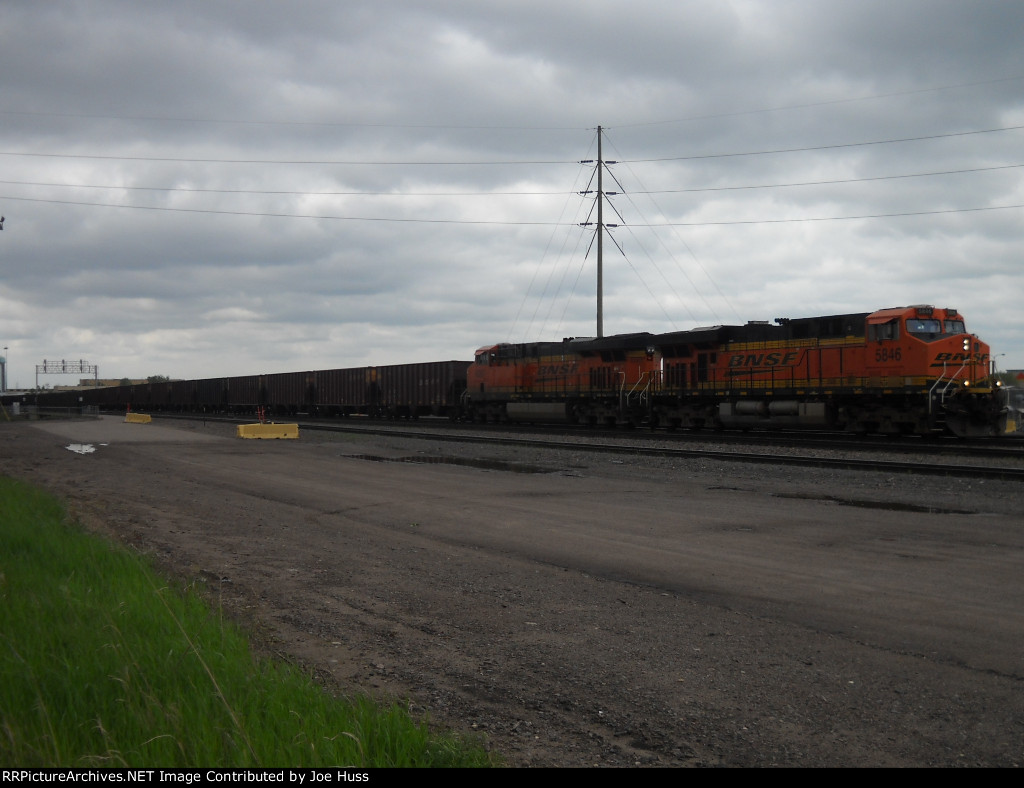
489,465
81,448
890,505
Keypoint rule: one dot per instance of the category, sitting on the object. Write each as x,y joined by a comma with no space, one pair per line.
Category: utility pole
600,228
600,238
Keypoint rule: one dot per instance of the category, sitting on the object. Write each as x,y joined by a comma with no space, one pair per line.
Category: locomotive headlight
967,343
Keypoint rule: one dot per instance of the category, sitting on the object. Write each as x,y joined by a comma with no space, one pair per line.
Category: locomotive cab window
923,326
955,327
884,331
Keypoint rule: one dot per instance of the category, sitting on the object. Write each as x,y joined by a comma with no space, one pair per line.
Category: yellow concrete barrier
267,431
137,418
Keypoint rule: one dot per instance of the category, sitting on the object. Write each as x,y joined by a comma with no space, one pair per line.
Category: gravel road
589,610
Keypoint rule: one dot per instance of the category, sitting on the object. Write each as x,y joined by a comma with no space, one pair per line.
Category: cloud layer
198,189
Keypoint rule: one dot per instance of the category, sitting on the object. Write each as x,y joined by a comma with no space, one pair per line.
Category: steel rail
847,463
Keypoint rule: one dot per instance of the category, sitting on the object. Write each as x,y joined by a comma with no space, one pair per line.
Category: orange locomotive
908,370
605,380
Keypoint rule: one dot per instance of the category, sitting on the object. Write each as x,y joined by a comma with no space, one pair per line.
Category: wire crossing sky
198,189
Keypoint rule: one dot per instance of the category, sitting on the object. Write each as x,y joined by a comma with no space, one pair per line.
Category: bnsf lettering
748,360
960,358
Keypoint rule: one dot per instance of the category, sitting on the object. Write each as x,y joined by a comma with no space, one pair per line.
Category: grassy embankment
102,664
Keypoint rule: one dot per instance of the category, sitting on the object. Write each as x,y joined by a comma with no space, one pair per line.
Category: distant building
89,383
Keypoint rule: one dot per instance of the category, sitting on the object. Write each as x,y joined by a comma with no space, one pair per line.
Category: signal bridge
67,368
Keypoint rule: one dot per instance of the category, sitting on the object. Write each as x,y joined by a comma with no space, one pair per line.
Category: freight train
906,370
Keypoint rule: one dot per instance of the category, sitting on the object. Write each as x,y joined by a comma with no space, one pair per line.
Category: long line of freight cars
397,391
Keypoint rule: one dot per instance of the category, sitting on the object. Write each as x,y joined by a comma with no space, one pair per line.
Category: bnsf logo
556,370
959,358
764,359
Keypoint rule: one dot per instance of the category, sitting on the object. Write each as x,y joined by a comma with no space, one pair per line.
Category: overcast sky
204,188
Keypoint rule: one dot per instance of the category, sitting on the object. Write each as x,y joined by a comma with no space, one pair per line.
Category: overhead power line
838,181
290,162
813,104
277,214
697,189
504,162
405,220
287,123
835,218
291,193
495,127
808,149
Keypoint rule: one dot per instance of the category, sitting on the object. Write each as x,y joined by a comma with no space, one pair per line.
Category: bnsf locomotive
908,370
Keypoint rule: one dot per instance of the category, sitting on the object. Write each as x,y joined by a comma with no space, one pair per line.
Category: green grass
103,664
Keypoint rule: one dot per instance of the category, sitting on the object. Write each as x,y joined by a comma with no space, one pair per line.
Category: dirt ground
582,610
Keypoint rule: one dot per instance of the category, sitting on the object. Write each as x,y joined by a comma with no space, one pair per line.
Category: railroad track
641,445
1008,449
958,470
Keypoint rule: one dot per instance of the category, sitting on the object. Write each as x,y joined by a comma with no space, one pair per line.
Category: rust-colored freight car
158,395
210,395
243,394
345,392
427,389
288,393
180,395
